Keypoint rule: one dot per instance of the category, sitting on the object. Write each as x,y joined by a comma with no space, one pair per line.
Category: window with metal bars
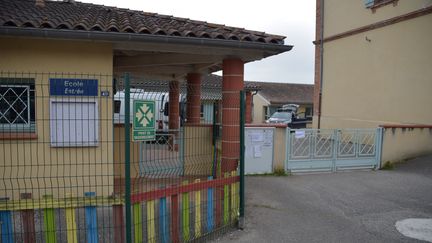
17,105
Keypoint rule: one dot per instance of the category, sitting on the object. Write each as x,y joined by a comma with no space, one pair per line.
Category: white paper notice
257,136
257,151
300,134
268,138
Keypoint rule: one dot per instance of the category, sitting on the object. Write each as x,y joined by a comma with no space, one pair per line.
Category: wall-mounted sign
73,87
143,126
105,93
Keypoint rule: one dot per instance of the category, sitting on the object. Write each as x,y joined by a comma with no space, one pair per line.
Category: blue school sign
73,87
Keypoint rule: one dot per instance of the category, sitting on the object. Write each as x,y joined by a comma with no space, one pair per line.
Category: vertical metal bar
242,159
226,202
336,141
118,222
137,219
233,209
6,225
214,140
151,235
288,148
49,222
71,225
127,161
210,218
91,220
378,146
175,238
27,217
197,211
185,214
163,223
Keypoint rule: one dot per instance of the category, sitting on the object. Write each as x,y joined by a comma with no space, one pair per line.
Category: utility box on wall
259,143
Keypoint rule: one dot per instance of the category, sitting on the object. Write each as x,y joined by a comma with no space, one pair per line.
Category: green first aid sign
143,127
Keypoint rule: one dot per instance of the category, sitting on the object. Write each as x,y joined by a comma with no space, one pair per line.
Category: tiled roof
284,93
71,15
215,81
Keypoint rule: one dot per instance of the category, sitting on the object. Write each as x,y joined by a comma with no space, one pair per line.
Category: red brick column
248,108
193,98
232,83
173,110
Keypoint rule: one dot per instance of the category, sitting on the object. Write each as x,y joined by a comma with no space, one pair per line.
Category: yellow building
60,62
373,63
373,68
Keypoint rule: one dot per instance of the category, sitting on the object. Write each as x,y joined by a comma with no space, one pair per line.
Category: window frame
20,128
64,144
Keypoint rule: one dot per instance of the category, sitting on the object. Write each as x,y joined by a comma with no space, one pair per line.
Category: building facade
372,63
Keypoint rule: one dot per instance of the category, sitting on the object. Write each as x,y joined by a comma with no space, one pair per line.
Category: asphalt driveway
360,206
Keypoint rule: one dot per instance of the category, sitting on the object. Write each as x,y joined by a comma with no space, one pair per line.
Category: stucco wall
341,16
258,109
44,169
198,150
279,148
405,143
384,80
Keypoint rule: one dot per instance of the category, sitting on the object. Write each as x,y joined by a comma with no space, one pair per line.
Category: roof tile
92,17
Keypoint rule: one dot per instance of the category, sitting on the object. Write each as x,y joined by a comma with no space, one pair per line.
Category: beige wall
33,165
119,153
258,109
198,150
400,144
386,80
279,148
341,16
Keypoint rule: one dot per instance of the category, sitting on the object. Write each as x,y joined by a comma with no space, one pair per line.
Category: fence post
336,141
214,139
287,148
242,165
378,146
127,160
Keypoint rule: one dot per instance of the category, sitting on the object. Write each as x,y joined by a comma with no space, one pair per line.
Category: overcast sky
291,18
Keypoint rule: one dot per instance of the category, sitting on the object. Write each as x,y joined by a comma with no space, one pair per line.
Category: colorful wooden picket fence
167,218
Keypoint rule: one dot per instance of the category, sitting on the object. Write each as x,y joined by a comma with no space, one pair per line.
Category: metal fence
310,150
71,172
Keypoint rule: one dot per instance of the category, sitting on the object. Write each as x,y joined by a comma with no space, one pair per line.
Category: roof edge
132,37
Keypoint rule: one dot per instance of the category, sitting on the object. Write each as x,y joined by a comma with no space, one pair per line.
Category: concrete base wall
403,143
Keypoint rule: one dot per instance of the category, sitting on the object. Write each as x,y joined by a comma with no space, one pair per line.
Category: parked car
287,114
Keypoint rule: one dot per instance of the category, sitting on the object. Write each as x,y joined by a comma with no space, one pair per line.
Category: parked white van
161,106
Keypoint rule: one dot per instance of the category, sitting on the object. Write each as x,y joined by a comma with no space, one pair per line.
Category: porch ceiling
162,61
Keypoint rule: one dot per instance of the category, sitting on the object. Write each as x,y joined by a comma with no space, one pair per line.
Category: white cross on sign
143,128
144,115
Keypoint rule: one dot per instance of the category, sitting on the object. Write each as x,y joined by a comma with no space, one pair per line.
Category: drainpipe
253,105
321,61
